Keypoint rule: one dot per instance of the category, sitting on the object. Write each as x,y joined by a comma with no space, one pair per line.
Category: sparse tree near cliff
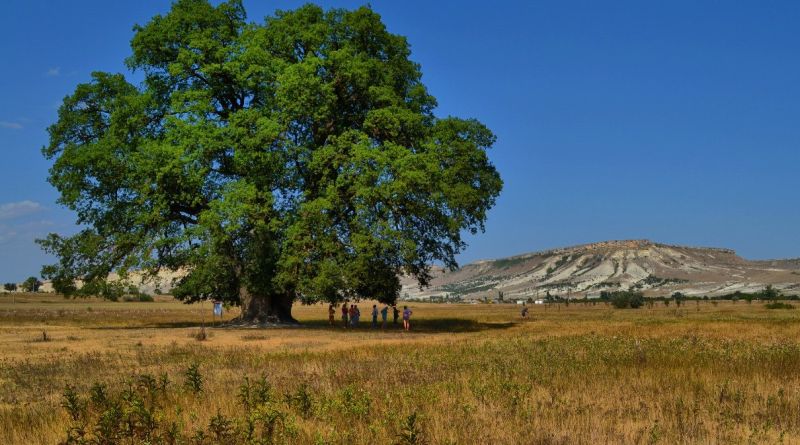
10,287
770,293
298,157
31,284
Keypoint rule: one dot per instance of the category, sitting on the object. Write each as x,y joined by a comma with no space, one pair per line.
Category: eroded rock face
655,268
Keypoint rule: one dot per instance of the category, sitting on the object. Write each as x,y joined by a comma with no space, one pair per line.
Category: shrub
770,293
194,380
43,338
139,296
200,334
778,305
145,410
301,400
626,299
411,433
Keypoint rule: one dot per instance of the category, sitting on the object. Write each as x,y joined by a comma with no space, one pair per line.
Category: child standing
406,318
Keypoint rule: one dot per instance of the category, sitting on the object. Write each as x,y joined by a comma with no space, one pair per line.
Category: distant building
47,287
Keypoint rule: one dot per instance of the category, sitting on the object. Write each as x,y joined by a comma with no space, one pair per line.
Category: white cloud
11,125
29,230
14,210
53,72
6,233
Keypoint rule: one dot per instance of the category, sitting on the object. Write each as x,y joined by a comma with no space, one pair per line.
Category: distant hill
654,268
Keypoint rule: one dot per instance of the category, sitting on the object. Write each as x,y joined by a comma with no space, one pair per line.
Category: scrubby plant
411,432
45,337
301,400
221,428
193,379
144,411
200,334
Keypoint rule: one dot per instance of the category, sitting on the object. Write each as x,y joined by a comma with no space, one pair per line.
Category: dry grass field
702,373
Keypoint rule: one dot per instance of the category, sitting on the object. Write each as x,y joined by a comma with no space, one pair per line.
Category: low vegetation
653,281
577,374
624,299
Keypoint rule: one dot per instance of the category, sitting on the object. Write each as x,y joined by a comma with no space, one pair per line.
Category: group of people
352,315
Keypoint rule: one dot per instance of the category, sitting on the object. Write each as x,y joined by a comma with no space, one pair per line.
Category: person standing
395,313
374,316
384,314
331,315
344,314
353,320
406,318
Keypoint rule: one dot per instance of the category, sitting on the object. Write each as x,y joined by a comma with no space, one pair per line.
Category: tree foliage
624,299
299,156
31,284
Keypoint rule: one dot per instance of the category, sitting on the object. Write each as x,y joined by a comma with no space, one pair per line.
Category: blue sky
674,121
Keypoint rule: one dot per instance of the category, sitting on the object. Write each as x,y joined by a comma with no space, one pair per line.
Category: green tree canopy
297,157
31,284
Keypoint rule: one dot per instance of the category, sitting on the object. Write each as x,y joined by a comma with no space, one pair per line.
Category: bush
147,409
626,299
138,297
778,305
770,293
194,379
411,432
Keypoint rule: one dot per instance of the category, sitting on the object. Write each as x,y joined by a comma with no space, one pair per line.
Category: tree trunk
266,308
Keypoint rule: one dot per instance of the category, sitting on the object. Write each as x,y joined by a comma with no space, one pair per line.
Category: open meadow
578,374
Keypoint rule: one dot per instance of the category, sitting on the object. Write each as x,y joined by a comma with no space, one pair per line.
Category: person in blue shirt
384,315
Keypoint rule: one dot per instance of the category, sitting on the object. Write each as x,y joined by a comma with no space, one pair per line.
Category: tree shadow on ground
427,325
160,325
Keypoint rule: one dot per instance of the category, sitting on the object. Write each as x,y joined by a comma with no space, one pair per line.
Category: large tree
295,158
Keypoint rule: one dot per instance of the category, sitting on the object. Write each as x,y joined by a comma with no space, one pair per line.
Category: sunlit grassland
724,373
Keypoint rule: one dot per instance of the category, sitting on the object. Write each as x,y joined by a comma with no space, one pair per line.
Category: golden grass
725,373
